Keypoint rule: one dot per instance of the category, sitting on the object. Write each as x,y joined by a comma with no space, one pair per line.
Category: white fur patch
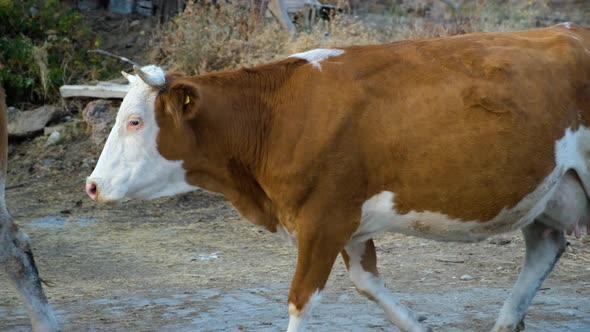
367,282
286,236
298,319
130,165
567,25
572,149
318,55
379,213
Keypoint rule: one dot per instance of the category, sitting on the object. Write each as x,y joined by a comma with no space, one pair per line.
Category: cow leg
542,252
361,261
15,252
318,245
17,259
315,258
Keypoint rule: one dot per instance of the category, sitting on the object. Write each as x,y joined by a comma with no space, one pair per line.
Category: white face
130,165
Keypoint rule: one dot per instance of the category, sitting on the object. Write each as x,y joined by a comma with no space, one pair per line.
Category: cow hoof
510,328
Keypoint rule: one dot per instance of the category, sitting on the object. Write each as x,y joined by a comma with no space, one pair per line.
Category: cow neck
239,120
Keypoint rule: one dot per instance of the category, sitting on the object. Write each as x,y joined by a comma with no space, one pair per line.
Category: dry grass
210,38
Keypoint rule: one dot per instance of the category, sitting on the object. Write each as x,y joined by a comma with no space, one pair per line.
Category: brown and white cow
454,139
16,256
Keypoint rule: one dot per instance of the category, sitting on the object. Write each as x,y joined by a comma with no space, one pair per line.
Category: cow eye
134,123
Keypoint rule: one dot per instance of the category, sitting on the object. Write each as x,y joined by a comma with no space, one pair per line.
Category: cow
453,139
16,256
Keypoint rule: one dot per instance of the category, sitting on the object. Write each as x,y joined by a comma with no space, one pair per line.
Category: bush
43,47
211,38
208,38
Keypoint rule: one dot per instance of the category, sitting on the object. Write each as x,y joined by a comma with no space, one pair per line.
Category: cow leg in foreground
361,262
542,252
16,256
17,259
318,245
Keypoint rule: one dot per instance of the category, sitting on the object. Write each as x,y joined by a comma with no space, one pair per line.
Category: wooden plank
101,90
295,6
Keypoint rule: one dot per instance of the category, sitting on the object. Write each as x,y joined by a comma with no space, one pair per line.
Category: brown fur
464,126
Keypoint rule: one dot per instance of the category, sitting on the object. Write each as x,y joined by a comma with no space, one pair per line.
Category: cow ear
183,102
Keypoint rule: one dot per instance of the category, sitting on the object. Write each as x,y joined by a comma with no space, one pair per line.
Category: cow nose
91,190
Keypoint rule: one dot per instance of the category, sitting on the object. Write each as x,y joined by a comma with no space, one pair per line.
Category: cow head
131,164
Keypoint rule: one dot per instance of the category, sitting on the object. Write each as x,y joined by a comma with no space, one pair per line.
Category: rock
52,129
68,131
31,123
53,138
100,117
466,277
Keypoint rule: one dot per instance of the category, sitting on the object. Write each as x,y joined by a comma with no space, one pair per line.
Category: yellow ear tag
187,99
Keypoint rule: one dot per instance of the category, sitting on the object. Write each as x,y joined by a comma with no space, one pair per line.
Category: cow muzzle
92,190
100,190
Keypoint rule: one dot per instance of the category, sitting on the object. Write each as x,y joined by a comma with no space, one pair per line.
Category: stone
466,277
51,129
100,116
53,138
31,123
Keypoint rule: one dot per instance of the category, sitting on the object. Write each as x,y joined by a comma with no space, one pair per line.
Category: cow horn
151,80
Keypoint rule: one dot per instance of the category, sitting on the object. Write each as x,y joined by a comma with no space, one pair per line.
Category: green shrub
43,47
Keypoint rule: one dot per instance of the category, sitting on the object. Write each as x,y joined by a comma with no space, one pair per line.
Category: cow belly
559,201
379,215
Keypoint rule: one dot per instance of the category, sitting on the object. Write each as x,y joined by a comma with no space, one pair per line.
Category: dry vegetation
211,38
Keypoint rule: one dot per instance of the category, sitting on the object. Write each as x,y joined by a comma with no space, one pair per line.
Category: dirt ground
190,263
